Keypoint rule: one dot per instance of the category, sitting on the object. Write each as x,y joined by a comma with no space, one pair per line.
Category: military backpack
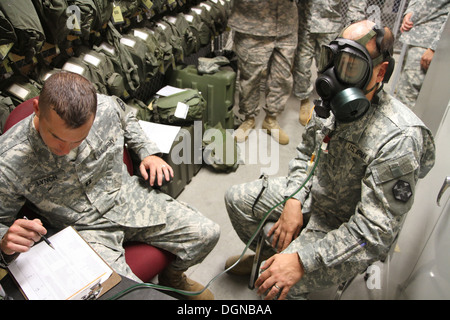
181,108
29,33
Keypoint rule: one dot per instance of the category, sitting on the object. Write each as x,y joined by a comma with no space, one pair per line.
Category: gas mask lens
350,68
325,58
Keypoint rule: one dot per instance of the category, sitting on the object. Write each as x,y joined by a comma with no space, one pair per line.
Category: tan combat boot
305,112
178,280
241,133
273,128
243,268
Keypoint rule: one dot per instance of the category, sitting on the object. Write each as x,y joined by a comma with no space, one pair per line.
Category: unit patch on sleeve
402,191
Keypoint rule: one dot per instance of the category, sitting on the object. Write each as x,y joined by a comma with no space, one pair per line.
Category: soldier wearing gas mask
354,175
346,82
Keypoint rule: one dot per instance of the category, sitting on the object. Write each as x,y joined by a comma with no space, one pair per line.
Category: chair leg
342,287
256,260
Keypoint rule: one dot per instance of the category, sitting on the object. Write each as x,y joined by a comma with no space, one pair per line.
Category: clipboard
71,271
100,289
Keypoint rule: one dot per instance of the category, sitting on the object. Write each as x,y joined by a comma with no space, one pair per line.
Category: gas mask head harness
345,69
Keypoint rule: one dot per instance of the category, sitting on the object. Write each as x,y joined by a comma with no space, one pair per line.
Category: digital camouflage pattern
356,199
264,18
412,77
318,24
91,190
429,19
320,16
264,44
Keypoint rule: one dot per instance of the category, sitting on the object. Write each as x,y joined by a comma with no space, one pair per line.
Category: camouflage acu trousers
187,234
412,77
260,57
246,216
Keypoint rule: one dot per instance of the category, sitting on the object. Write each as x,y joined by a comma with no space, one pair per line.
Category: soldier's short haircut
72,96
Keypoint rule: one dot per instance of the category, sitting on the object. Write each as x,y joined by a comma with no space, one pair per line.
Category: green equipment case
185,158
217,89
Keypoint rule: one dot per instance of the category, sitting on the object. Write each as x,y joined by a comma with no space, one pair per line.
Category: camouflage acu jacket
429,18
94,188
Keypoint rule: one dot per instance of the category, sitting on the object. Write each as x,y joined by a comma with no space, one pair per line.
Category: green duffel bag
121,58
167,32
219,15
192,108
7,36
56,17
103,68
141,110
188,34
195,20
220,150
94,14
20,88
6,106
22,15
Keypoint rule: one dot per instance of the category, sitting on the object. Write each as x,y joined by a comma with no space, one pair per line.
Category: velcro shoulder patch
394,169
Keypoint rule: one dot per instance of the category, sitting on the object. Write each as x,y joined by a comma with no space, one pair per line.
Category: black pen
43,237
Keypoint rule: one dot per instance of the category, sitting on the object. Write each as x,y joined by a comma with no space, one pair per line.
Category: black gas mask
345,69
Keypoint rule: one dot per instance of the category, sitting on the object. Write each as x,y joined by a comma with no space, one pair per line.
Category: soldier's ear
36,107
382,71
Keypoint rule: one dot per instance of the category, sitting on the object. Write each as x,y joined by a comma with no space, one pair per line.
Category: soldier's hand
288,226
152,167
407,23
280,273
21,236
426,59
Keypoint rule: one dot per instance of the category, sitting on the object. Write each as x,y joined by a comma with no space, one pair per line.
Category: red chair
144,260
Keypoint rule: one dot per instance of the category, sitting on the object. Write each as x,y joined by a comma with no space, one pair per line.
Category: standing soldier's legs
302,66
411,78
279,85
279,78
253,54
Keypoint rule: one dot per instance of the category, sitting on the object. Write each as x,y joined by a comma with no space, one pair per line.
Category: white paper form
168,91
62,273
163,135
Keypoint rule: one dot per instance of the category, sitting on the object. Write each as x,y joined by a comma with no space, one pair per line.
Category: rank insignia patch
402,191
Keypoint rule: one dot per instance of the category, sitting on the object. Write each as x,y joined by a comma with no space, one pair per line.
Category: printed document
67,272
